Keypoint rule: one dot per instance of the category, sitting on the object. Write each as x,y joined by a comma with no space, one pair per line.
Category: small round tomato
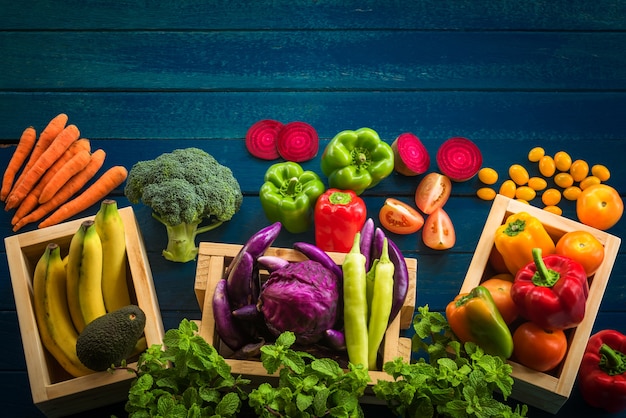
432,192
438,232
400,218
599,206
537,348
500,290
584,247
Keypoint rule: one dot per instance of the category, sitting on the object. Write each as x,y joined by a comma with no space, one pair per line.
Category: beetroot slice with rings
297,142
459,159
261,139
411,156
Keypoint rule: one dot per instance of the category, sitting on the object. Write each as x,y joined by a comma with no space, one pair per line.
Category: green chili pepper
289,194
355,304
357,160
369,283
382,300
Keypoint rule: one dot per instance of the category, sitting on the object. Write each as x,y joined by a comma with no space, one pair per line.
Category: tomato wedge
400,218
432,192
438,232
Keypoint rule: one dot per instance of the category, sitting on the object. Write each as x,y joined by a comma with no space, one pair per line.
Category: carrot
24,147
104,185
58,146
68,190
54,128
31,200
71,167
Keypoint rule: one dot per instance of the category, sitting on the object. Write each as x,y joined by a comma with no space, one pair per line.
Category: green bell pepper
357,160
288,195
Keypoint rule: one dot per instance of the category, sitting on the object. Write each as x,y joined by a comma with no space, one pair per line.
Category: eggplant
247,313
365,243
315,253
272,262
335,339
225,323
240,286
258,243
401,273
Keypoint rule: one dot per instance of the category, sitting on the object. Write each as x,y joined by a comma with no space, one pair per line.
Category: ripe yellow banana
55,325
84,276
110,228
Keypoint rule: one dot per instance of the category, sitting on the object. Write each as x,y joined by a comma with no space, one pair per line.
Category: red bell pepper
338,216
602,373
551,291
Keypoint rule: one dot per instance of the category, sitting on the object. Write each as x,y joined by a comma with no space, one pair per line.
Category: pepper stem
340,198
612,362
543,276
291,188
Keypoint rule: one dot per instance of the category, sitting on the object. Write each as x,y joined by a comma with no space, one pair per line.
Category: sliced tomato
438,232
432,192
400,218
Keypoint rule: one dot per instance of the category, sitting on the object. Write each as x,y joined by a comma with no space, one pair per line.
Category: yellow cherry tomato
547,166
508,188
551,197
589,181
486,193
526,202
579,170
554,209
525,193
535,154
563,180
572,192
518,174
537,183
600,172
562,161
488,175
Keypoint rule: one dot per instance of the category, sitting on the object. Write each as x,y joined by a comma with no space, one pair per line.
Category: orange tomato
432,192
496,261
599,206
584,247
400,218
438,232
537,348
500,289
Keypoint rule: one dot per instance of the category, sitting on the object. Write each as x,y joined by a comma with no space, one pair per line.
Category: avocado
111,338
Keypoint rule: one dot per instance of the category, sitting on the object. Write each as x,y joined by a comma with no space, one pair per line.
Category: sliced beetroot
261,139
297,142
459,159
411,156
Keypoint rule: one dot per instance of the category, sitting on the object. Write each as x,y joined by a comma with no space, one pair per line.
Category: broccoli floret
184,188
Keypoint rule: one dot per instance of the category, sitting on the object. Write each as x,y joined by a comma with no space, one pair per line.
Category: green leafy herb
307,386
457,380
186,379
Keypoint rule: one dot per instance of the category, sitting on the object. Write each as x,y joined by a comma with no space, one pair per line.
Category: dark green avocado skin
111,338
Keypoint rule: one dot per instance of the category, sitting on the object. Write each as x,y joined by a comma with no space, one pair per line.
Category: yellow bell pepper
517,237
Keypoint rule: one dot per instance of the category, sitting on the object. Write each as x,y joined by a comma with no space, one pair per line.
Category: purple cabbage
301,297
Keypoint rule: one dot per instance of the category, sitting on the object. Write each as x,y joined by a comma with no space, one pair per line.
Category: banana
84,276
110,228
54,322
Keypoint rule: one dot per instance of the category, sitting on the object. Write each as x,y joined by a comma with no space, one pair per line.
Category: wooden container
547,391
214,258
54,391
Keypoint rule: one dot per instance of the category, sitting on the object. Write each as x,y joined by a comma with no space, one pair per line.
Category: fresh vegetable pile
48,174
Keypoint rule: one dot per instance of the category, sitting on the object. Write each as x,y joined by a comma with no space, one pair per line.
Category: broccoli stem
181,239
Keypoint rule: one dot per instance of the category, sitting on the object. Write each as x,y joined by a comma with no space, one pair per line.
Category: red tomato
400,218
599,206
500,288
432,192
438,232
584,247
537,348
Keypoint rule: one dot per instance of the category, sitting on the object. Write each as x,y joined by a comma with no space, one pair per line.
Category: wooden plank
321,60
297,14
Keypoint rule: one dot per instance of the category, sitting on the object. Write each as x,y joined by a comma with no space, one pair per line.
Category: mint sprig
452,379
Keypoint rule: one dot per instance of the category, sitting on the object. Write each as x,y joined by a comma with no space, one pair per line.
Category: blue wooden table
143,78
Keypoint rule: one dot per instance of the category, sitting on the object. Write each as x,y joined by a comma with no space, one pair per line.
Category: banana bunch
91,281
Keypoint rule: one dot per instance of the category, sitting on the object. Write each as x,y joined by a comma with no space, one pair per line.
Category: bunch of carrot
54,169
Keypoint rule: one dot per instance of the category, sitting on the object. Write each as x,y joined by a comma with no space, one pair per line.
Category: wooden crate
54,391
213,259
547,391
